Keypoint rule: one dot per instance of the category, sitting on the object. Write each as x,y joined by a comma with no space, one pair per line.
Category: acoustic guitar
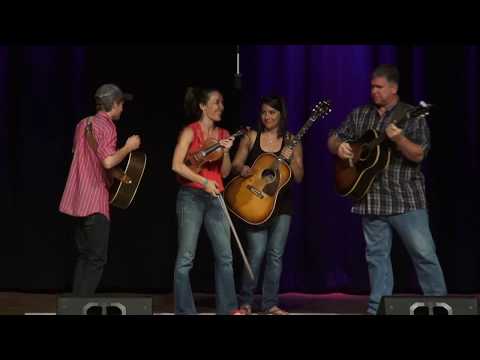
122,192
125,182
253,199
371,155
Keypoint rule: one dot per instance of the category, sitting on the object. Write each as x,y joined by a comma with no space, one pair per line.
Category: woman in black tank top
269,240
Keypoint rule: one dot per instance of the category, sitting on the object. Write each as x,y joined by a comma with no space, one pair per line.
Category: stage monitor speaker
104,306
428,305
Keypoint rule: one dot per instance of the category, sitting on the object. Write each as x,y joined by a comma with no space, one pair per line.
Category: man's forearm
409,149
333,143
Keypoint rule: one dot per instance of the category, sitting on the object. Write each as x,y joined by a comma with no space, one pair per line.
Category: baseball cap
108,93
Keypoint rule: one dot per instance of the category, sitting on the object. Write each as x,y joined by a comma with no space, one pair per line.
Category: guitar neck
397,122
320,110
296,138
301,132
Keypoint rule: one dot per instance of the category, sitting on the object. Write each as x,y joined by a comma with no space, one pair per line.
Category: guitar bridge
255,191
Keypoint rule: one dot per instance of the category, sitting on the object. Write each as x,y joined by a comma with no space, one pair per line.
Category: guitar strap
399,113
89,135
396,116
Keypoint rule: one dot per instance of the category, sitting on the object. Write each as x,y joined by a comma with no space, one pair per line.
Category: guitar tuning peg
424,104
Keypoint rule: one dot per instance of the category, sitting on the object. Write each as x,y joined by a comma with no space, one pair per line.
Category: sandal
245,309
238,312
275,310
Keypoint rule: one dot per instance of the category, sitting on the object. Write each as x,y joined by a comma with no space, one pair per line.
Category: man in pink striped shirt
86,196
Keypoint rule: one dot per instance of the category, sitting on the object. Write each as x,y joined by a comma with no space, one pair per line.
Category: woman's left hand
227,143
287,152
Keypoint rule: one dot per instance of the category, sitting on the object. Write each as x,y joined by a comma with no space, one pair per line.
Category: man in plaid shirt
396,199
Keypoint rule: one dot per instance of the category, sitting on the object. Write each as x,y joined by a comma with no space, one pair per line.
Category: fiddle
211,151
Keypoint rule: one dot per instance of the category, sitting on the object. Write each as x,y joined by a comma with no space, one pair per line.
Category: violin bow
245,260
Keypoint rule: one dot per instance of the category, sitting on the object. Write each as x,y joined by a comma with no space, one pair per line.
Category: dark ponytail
195,96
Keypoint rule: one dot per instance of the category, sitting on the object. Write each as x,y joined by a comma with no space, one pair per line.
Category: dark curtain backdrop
45,90
326,248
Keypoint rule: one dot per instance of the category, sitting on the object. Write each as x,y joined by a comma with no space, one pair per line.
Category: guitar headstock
420,111
322,108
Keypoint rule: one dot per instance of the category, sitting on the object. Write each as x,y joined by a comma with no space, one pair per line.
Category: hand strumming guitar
133,142
246,171
344,151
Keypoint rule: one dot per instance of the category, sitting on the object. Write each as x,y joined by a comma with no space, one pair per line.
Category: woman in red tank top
197,203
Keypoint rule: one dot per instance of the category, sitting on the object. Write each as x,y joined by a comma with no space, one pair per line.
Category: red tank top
212,170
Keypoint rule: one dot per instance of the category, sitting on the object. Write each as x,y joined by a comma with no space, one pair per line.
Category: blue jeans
195,206
272,241
413,229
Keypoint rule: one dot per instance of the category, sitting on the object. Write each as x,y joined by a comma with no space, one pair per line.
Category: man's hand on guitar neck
410,150
394,133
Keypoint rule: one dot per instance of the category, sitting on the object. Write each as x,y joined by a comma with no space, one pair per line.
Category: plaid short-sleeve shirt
401,186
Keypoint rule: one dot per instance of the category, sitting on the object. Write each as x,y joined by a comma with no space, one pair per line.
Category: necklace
270,139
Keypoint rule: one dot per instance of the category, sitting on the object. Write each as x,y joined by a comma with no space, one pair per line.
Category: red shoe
243,310
237,312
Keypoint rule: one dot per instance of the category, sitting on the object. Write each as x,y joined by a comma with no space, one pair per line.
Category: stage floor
20,303
17,303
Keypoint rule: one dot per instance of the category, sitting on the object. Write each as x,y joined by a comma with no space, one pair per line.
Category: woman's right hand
211,188
246,171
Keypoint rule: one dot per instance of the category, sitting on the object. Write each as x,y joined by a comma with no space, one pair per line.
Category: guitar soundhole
365,153
268,175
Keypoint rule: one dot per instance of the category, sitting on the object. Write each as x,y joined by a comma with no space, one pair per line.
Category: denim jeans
91,235
194,207
271,242
413,229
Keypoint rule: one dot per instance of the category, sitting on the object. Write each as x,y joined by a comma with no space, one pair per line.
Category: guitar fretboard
414,113
302,132
320,110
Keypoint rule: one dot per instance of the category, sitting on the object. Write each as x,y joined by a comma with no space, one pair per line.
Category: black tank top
285,199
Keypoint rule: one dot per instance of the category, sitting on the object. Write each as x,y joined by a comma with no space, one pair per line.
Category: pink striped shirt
86,191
